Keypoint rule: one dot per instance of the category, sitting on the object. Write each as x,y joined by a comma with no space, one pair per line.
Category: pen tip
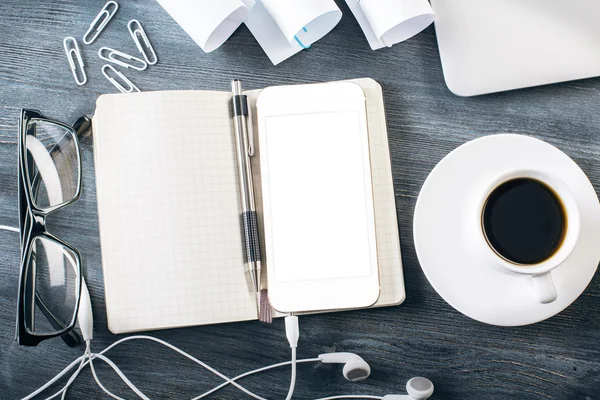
254,282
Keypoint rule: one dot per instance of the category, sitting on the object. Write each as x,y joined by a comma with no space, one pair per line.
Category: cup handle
543,288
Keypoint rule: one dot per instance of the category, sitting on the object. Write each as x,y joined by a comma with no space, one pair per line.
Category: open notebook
169,209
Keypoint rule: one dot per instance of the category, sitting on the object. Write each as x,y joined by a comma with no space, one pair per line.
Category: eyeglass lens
51,286
52,162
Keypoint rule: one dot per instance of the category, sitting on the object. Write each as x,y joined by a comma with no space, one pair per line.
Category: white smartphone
319,224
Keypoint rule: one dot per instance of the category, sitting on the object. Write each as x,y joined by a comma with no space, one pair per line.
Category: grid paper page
391,279
169,211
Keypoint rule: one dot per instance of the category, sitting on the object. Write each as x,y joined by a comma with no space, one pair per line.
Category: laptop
490,46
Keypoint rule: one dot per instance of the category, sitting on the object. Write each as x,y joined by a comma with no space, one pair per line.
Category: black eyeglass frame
32,224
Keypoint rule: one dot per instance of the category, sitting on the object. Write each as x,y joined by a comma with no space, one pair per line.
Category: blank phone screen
319,199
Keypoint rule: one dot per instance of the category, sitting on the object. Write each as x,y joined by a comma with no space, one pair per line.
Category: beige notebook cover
169,209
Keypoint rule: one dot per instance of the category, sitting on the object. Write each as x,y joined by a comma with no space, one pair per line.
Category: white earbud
418,389
355,368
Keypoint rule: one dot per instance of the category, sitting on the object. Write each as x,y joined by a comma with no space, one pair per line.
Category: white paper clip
113,58
130,86
97,26
137,31
73,53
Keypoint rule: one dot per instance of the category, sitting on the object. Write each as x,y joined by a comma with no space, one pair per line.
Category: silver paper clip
130,86
97,26
113,54
137,31
73,53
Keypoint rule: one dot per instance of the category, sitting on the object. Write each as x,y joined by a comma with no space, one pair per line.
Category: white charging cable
292,332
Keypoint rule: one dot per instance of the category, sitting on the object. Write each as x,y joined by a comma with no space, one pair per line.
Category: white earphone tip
356,371
419,388
357,375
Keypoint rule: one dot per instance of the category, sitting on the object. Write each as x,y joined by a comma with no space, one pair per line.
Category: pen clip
250,123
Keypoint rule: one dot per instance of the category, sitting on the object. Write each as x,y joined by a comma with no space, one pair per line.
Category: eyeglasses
50,271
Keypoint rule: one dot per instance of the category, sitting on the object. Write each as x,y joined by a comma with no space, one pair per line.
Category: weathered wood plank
555,359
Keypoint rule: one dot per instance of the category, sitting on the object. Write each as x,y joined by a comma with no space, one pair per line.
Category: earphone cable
87,360
71,379
292,332
77,371
84,360
254,371
53,380
351,396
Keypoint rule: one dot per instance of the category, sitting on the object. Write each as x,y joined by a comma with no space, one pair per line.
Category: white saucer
477,290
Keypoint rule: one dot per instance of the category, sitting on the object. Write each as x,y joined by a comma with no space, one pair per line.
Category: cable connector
292,332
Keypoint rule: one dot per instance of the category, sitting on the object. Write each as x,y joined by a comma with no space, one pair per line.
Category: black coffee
524,221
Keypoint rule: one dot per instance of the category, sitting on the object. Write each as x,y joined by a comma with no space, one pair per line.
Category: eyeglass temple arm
82,125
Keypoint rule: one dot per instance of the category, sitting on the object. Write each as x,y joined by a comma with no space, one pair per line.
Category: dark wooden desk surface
555,359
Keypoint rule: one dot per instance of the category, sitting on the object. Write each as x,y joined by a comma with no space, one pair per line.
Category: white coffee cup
541,285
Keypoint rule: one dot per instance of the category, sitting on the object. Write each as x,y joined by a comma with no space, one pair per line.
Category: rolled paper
312,19
209,22
285,27
387,22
